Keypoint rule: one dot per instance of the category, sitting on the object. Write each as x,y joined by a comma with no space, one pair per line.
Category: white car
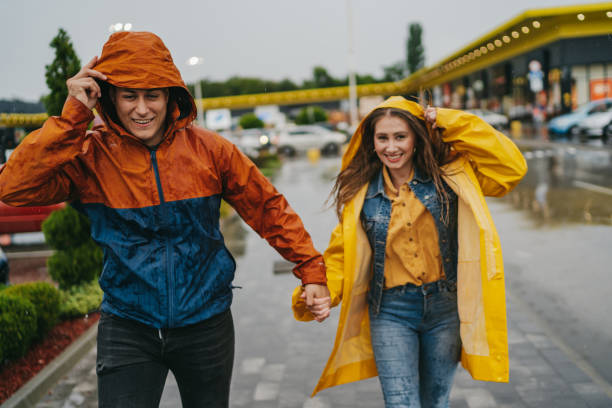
497,120
300,139
597,125
251,141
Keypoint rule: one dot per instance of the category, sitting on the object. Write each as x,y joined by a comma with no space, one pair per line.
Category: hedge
75,266
46,300
17,326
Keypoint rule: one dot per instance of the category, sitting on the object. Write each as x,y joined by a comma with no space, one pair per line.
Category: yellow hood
397,102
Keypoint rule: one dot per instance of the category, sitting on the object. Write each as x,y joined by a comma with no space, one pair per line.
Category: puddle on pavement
234,233
566,185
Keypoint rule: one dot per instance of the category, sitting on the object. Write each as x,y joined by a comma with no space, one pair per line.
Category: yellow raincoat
490,165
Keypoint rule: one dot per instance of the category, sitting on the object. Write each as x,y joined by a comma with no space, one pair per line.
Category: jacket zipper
168,246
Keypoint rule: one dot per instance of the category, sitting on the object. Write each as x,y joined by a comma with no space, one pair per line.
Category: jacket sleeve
498,163
267,211
34,173
334,263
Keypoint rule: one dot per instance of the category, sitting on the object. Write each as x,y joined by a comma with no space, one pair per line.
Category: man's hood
397,102
141,60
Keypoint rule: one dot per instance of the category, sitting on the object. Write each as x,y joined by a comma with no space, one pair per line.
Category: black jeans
134,359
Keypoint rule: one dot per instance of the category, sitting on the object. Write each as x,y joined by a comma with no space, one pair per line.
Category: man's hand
431,115
83,85
318,300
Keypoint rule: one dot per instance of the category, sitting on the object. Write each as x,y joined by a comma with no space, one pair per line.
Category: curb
31,392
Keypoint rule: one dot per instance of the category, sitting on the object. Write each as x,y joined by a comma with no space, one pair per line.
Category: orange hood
141,60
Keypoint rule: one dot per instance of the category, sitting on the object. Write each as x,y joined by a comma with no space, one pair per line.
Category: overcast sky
272,39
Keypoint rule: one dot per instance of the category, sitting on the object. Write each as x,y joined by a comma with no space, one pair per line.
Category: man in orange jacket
151,184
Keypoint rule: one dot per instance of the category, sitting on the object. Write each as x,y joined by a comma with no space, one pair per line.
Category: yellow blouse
412,253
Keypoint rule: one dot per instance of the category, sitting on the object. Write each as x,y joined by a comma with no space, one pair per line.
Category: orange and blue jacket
154,211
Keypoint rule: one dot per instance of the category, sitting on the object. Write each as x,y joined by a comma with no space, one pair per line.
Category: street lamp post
351,68
193,61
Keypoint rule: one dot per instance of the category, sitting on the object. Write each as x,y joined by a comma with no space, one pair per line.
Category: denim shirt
375,217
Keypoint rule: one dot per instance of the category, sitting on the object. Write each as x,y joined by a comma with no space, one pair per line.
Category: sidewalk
278,362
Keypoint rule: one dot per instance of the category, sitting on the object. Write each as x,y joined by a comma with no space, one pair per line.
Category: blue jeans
416,344
133,362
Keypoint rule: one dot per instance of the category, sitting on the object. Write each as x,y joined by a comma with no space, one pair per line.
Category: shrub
46,300
250,121
66,229
311,114
17,326
76,265
80,300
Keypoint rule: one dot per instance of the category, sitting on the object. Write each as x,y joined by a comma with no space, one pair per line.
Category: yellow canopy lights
529,30
22,119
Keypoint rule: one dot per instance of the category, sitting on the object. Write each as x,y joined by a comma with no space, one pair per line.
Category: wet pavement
278,360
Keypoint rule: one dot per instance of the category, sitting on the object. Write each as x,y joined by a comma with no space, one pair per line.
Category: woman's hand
83,86
318,300
431,114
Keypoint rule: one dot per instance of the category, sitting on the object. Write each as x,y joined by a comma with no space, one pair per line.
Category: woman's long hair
431,153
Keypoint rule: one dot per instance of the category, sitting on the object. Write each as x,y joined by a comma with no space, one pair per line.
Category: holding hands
318,300
83,85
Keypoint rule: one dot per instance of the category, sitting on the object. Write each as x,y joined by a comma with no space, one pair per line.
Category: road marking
593,187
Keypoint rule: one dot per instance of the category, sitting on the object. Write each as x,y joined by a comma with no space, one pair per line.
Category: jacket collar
377,185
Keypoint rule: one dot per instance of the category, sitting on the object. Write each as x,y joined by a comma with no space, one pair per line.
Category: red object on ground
17,372
24,219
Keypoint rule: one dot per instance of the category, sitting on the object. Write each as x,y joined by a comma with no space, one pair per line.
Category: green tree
322,79
394,72
415,53
311,114
250,121
65,65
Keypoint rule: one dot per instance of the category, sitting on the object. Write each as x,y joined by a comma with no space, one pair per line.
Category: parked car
24,219
4,268
568,124
251,141
300,139
497,120
597,125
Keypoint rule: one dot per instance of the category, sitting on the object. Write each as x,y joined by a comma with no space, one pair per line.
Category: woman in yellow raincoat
416,258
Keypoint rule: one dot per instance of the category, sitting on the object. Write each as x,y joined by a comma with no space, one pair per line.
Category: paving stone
273,372
252,365
571,373
539,340
317,402
555,355
266,391
568,402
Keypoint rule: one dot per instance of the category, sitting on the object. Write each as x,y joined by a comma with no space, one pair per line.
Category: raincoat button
447,260
409,224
